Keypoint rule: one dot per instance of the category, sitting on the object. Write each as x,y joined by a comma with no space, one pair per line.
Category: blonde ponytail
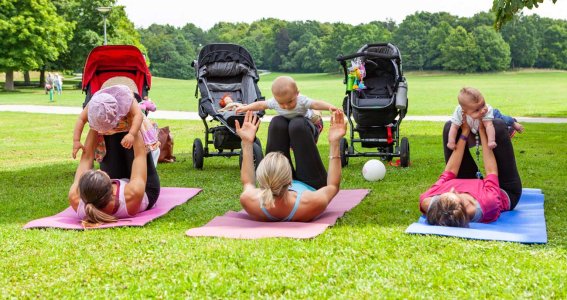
274,177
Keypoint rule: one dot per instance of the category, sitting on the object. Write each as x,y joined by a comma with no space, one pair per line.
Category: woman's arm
85,164
247,133
490,165
336,132
136,187
454,162
78,131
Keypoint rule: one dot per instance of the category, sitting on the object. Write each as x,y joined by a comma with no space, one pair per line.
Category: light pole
104,11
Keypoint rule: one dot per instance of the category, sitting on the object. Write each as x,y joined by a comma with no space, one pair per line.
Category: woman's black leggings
117,163
508,175
297,133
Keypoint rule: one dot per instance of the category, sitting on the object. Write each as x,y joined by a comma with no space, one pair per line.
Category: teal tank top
298,187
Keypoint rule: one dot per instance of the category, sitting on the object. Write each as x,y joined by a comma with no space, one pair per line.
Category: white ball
373,170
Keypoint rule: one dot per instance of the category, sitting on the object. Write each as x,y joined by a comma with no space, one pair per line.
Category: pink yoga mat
239,225
168,199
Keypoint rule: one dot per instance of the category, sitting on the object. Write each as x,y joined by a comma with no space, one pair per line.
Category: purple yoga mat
239,225
168,199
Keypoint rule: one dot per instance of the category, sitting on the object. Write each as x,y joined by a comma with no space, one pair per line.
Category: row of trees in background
58,35
427,41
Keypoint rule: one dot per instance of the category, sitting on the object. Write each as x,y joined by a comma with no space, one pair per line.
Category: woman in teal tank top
278,197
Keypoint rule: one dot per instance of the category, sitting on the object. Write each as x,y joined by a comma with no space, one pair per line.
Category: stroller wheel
404,153
256,152
344,152
198,154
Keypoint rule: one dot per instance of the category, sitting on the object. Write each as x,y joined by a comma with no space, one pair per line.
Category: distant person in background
58,83
48,82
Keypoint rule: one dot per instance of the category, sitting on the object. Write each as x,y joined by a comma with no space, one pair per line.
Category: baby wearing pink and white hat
111,110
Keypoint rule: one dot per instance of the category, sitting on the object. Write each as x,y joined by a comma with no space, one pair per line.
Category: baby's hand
76,146
491,145
127,141
451,145
333,108
241,109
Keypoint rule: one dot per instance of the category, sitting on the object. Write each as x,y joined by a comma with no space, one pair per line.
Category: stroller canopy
105,62
229,53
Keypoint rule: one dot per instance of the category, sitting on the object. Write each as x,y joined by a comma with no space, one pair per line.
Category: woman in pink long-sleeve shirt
458,198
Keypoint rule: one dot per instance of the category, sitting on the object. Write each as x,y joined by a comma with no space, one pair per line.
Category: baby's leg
518,127
490,133
451,143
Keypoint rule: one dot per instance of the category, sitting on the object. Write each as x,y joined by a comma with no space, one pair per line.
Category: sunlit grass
365,255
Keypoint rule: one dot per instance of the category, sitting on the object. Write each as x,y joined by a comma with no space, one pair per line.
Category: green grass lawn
532,93
366,255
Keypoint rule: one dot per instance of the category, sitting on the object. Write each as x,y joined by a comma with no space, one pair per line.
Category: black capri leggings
508,176
298,133
117,163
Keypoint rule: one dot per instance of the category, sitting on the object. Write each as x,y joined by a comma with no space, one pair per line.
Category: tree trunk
27,78
42,77
9,84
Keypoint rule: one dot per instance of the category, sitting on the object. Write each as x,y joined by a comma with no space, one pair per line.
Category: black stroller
224,70
376,94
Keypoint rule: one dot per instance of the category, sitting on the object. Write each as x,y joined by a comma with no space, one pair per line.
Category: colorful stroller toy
226,78
376,94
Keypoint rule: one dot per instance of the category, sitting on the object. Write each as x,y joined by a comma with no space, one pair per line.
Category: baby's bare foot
451,145
518,127
492,145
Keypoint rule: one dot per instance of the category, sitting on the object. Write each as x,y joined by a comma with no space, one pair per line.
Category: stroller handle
342,58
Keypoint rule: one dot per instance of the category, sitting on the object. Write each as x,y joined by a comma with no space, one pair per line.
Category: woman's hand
247,132
338,126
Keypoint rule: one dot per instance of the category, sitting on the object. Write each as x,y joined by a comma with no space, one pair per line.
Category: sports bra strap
295,206
291,214
265,211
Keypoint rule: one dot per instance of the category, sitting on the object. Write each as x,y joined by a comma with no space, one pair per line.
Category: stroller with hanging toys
226,78
376,98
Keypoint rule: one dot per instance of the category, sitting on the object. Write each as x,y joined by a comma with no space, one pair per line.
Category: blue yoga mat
525,224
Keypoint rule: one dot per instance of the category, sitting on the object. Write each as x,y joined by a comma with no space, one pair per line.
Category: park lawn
533,93
365,255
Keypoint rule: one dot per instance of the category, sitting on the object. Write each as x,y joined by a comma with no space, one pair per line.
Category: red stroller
116,64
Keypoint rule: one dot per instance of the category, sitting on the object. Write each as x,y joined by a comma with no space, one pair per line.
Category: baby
112,110
474,108
289,103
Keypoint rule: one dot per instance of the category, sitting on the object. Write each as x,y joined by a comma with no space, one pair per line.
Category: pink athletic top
487,192
121,211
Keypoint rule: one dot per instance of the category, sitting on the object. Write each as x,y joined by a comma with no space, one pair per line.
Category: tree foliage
31,34
506,9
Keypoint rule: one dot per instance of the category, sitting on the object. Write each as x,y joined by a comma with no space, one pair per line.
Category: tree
170,53
31,33
435,39
88,31
554,48
411,39
523,38
493,51
459,51
506,9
